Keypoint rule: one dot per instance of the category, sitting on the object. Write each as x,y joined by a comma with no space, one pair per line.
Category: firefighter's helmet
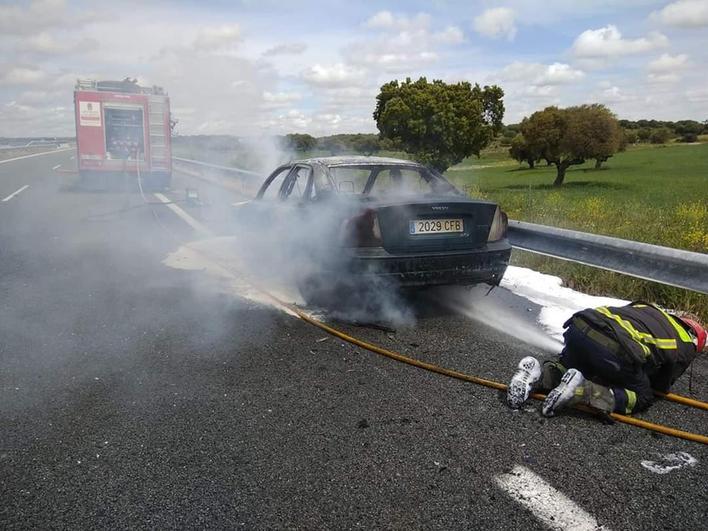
697,332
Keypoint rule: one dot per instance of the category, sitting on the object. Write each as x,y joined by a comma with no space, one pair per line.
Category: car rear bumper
484,265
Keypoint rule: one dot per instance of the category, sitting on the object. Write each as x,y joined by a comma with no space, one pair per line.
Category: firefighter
614,359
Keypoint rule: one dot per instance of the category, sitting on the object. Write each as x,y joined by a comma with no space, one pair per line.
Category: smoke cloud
492,312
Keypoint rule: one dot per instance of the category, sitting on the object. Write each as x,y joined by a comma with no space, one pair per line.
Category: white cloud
387,20
38,15
613,94
395,61
280,99
46,44
218,38
292,48
227,90
22,120
382,19
667,68
298,121
539,91
668,63
496,22
402,44
540,74
350,98
22,76
336,75
684,14
329,80
33,97
450,35
669,77
608,42
697,95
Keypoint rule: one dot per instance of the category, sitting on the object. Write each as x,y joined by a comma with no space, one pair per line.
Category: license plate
434,226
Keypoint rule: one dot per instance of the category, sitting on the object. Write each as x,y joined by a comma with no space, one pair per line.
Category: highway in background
137,395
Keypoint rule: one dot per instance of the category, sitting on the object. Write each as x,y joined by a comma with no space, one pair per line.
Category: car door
257,214
297,187
299,210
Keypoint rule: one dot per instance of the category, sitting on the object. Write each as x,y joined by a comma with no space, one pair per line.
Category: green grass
653,194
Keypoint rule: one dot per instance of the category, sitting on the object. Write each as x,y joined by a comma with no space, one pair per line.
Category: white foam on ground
558,303
670,462
220,260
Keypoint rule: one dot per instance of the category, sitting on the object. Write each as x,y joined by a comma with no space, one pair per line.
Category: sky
254,67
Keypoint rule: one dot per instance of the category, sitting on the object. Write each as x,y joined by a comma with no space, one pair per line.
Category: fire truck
123,129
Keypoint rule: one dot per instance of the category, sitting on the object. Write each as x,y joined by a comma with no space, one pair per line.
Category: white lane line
35,155
550,506
196,225
56,167
16,192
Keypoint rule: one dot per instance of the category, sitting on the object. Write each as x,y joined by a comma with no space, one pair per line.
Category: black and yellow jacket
641,334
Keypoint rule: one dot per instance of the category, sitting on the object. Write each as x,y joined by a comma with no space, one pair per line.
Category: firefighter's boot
598,396
575,389
525,378
568,392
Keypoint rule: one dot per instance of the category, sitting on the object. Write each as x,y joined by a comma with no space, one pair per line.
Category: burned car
365,218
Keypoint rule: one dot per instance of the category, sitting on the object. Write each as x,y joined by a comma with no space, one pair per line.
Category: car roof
354,160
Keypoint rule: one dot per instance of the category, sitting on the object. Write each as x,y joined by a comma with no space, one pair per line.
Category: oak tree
570,136
439,123
521,150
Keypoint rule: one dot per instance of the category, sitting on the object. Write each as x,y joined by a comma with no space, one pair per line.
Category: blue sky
261,67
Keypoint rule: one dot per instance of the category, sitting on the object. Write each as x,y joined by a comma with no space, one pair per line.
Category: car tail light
362,230
499,225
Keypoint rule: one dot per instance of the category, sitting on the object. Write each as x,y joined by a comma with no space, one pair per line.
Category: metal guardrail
227,169
35,143
675,267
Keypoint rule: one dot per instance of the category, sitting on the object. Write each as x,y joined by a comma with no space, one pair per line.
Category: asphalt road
134,395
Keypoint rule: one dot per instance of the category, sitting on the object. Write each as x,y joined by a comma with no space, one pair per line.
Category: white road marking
56,167
35,155
16,192
550,506
196,225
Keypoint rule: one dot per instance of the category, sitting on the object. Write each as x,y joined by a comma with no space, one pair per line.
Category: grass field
654,194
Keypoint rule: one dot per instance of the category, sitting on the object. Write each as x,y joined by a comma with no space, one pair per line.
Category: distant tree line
360,143
660,132
636,132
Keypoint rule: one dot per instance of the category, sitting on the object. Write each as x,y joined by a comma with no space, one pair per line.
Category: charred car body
378,218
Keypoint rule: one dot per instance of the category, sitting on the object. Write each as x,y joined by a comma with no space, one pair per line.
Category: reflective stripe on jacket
640,334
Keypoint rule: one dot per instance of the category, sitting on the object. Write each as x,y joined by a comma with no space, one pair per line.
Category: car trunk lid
443,225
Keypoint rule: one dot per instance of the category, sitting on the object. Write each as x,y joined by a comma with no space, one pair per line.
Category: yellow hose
626,419
683,400
659,428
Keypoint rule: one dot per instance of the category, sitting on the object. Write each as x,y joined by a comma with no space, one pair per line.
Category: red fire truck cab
123,129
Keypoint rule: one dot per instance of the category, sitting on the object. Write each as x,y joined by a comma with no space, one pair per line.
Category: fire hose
626,419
